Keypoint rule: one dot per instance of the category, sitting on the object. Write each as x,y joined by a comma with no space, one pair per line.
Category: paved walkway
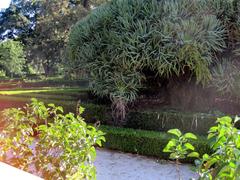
113,165
11,173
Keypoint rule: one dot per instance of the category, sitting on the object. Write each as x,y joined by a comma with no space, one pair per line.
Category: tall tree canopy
51,32
18,20
12,57
43,26
122,41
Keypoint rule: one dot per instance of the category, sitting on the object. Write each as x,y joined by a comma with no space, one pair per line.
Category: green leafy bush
62,149
123,39
149,143
179,147
223,162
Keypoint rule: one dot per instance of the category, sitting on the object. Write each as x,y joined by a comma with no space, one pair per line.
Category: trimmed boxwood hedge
198,123
149,143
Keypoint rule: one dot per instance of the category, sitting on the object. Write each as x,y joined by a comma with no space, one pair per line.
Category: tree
124,41
43,26
12,57
51,32
18,21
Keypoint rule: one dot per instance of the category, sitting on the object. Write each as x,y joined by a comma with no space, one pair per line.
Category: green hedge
92,113
149,143
198,123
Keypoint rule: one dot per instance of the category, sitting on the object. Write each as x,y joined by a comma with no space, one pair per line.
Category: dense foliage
148,143
18,20
43,26
12,57
180,147
124,41
224,162
63,148
47,44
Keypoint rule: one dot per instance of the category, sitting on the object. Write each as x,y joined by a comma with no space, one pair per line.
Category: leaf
224,120
190,136
213,129
236,119
59,108
189,146
99,142
205,157
171,144
210,162
210,135
81,110
174,156
193,154
51,105
176,132
92,153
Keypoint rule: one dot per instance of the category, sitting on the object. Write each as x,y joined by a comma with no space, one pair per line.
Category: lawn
43,90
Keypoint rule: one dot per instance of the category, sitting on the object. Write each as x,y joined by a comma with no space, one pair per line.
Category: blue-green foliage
119,40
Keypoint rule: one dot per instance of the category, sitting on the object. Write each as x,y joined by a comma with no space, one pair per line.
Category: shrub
63,149
179,147
122,41
95,113
224,162
149,143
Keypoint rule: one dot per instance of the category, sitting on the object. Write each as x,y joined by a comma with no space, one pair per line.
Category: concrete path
11,173
114,165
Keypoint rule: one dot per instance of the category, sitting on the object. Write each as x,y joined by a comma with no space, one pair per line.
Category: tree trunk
119,111
47,69
86,4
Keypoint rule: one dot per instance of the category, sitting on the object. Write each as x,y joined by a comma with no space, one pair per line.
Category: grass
53,79
66,97
42,90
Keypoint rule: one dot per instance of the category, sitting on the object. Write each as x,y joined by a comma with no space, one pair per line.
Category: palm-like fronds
120,39
224,76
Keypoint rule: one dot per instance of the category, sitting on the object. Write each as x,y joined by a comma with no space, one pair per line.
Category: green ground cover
43,90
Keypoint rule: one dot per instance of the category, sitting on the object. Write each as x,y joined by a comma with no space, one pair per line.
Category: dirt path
113,165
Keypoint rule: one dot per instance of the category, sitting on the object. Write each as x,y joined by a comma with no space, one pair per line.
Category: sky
4,3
